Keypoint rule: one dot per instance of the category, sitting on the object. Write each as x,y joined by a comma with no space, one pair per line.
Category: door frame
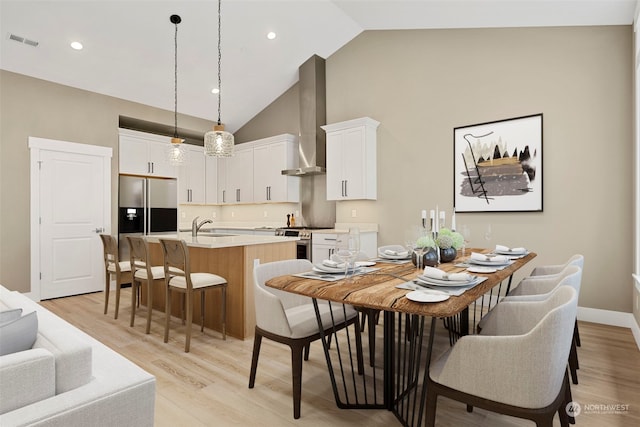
36,146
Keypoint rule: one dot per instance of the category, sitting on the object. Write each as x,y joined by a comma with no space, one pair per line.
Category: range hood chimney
313,114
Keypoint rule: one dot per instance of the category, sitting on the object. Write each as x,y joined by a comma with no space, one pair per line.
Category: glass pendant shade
176,152
218,142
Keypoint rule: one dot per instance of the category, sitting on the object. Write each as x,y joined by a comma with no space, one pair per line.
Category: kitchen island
233,258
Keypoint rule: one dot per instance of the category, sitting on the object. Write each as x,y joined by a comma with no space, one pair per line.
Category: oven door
303,249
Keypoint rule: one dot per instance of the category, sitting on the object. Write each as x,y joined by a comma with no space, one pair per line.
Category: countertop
203,241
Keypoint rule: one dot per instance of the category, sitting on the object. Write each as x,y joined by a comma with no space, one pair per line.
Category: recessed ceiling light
271,35
76,45
215,90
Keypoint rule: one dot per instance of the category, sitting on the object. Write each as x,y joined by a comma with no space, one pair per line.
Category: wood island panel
235,264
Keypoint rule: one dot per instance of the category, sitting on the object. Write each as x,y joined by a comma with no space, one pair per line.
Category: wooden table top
378,290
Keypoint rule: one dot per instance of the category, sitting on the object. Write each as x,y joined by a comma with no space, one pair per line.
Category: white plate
524,252
438,282
365,263
387,256
480,262
320,268
427,296
480,269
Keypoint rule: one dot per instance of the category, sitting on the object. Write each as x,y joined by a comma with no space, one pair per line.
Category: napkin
436,273
396,253
332,264
502,248
494,258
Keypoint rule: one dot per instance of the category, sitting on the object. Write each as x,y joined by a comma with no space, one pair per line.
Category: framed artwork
498,166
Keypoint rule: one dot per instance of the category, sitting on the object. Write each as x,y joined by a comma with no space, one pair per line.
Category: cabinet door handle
224,194
237,194
266,190
148,167
152,167
345,188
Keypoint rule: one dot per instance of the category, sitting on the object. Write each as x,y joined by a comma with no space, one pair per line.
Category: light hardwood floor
208,386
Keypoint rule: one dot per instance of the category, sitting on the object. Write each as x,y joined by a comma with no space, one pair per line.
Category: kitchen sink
209,234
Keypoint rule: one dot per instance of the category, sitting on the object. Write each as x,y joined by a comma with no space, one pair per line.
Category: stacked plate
447,282
490,260
339,268
393,252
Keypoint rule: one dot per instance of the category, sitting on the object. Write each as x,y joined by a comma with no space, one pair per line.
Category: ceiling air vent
23,40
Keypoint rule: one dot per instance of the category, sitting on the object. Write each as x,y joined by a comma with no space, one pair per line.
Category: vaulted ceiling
129,45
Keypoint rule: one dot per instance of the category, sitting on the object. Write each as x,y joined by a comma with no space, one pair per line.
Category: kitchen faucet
195,227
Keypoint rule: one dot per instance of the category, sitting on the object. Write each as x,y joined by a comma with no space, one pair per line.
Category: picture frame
498,166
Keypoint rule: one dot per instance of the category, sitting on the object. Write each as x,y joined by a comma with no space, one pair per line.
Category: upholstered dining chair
536,334
115,269
179,278
143,272
539,287
291,320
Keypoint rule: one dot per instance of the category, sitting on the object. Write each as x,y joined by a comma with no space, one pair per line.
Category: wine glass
487,235
466,234
347,247
413,242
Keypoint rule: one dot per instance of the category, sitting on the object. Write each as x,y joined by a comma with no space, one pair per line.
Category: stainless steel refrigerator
145,206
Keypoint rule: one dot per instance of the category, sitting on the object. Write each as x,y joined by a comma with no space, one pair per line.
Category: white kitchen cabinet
191,176
323,245
211,180
351,159
270,157
144,154
237,184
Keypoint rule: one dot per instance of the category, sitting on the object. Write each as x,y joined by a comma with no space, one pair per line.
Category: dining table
398,381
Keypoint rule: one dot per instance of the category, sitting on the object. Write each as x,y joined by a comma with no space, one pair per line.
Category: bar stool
143,272
178,277
114,268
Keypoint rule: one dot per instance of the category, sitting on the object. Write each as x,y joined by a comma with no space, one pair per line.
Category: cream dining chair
143,272
533,339
115,269
290,319
179,278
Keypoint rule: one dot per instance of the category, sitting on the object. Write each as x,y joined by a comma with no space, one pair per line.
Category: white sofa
70,379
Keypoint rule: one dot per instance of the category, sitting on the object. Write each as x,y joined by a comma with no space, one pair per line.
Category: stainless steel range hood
313,114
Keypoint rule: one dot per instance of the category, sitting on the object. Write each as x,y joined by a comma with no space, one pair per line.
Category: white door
72,206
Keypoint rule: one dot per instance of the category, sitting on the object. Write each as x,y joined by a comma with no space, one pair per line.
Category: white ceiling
129,49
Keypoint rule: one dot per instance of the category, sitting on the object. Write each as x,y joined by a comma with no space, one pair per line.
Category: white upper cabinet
270,157
351,159
191,176
144,154
238,185
211,180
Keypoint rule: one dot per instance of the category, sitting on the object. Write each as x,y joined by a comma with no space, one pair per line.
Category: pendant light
218,142
176,152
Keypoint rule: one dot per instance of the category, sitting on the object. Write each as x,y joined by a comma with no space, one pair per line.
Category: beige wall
422,84
419,85
32,107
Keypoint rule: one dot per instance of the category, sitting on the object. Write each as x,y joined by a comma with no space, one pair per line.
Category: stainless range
303,246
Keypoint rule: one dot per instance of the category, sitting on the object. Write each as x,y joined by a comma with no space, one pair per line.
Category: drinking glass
487,235
413,235
466,234
347,248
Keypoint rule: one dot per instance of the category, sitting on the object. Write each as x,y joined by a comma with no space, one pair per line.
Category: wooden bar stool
143,272
179,278
114,268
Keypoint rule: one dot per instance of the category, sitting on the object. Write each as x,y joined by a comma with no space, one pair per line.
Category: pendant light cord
219,61
175,83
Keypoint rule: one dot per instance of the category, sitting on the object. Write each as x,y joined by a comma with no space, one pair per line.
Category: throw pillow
10,315
18,335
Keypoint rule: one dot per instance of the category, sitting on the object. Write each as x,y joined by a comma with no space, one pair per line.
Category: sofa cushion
25,378
10,315
72,355
19,334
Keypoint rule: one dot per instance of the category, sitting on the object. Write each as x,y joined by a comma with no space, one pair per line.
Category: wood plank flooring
208,386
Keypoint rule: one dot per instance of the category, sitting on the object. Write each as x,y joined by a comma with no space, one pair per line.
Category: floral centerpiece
449,242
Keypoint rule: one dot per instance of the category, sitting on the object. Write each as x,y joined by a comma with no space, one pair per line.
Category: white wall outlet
233,214
214,214
183,215
265,214
354,213
297,214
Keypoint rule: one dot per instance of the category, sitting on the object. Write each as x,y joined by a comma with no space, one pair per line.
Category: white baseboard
612,318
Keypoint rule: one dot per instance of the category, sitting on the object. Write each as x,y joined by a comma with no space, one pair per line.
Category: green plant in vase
425,248
449,242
